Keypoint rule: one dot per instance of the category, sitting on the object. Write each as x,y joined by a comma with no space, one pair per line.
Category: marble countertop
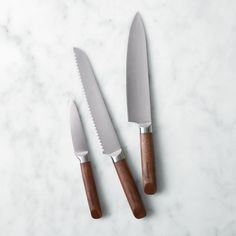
192,46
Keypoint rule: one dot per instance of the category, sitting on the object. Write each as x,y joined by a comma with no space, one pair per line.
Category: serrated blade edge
99,113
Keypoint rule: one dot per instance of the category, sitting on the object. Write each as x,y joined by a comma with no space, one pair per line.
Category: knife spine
84,94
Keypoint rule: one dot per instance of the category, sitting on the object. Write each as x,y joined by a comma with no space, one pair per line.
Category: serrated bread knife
138,99
107,134
81,152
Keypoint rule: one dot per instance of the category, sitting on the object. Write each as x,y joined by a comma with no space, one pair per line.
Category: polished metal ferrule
145,128
117,156
83,157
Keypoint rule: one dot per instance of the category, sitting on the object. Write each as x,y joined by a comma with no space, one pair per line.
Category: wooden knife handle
130,189
91,190
148,163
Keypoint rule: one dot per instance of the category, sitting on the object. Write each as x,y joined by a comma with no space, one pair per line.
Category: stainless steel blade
101,118
138,95
77,132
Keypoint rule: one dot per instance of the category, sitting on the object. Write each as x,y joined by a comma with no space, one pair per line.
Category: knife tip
137,21
79,53
75,49
137,16
73,105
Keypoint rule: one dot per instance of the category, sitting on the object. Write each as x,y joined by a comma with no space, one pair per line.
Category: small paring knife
81,152
106,133
138,99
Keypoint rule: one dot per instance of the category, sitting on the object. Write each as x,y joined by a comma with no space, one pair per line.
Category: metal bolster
117,156
145,128
83,157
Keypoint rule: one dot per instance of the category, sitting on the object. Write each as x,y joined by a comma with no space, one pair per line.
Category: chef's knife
81,152
107,134
138,99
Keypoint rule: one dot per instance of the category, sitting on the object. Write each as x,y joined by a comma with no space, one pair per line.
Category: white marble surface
193,52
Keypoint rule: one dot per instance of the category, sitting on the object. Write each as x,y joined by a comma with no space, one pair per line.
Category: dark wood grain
130,189
148,163
91,191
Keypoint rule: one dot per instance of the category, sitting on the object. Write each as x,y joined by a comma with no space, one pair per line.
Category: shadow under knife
161,184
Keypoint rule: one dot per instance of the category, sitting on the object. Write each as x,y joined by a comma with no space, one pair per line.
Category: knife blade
107,134
81,152
138,99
